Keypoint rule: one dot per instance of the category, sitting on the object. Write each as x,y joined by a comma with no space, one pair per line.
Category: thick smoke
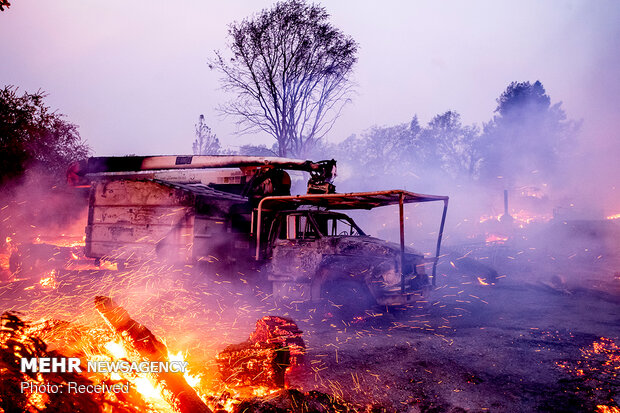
39,207
530,149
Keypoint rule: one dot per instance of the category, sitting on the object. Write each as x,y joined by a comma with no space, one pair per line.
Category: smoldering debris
170,391
274,348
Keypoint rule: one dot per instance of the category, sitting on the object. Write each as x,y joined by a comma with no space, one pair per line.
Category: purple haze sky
133,74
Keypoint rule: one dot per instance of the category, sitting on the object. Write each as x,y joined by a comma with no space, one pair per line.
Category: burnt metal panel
159,217
139,217
145,234
138,214
133,192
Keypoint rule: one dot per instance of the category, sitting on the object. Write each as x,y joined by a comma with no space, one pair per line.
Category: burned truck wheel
347,298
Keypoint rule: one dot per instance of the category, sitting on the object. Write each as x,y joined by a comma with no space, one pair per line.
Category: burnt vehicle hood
365,245
329,261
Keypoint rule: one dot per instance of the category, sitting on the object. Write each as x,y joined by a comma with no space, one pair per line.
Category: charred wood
139,339
264,359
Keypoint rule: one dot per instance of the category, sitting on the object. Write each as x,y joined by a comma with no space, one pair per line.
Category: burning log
258,364
263,360
180,395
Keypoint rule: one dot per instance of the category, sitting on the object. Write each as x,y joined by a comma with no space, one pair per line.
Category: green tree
290,71
379,152
257,150
444,148
34,137
527,137
451,146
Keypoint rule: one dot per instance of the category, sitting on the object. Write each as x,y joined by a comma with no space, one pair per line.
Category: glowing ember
607,409
116,349
495,238
62,241
521,217
599,368
150,392
263,391
482,282
49,280
486,218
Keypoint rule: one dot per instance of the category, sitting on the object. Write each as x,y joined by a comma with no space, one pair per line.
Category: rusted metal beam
113,165
350,200
437,252
402,242
258,227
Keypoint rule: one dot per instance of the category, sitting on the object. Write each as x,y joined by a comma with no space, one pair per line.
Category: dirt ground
542,339
522,345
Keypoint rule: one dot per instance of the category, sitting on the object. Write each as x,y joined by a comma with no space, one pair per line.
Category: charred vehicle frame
237,211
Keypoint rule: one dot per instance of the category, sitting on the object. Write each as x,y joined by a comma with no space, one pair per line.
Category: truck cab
316,254
313,251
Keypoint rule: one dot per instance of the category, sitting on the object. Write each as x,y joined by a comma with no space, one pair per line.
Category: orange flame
495,238
607,409
192,380
521,217
48,280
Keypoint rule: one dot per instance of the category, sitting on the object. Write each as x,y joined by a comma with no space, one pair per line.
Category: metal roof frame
351,200
358,200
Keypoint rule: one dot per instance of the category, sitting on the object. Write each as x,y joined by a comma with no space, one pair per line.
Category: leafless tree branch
290,72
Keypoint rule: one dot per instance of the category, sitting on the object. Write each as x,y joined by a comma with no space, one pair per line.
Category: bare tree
290,70
206,143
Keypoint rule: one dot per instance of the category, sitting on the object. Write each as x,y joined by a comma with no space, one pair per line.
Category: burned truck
237,213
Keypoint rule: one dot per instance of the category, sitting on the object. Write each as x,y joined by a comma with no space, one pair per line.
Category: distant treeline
525,140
